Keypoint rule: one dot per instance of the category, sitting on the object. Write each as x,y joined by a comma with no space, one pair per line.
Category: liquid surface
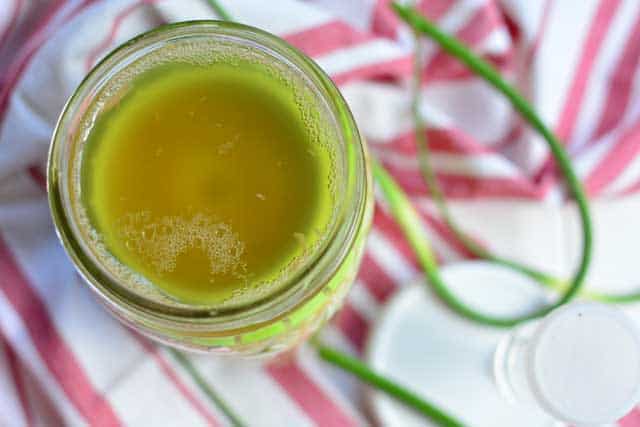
207,180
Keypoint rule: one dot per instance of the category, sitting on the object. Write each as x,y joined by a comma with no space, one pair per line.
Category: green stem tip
394,390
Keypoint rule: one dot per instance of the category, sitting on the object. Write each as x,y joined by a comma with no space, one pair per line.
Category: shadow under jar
210,185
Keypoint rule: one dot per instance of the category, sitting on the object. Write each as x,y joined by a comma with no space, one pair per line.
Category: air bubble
225,148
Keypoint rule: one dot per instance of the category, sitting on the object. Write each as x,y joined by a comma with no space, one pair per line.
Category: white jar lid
584,364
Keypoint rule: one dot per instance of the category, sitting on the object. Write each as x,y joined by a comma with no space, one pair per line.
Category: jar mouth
306,281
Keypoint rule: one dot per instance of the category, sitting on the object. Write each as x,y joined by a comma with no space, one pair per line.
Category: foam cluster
160,241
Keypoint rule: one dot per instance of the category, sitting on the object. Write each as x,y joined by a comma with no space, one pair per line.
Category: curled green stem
431,181
406,215
439,199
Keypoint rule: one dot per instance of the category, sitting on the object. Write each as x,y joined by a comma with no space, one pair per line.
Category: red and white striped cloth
65,361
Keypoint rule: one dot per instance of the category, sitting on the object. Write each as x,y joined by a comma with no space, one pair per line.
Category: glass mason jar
309,295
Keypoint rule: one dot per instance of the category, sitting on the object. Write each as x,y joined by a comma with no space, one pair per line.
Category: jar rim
121,299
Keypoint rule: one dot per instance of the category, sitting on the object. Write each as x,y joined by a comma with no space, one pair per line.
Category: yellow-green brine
209,183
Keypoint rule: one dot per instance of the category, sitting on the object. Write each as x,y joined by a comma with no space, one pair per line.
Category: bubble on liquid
160,241
225,148
299,237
